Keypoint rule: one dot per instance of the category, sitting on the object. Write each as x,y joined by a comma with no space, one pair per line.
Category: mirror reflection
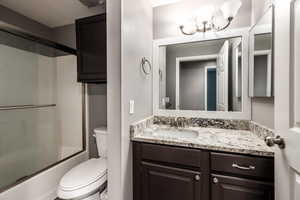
261,56
204,75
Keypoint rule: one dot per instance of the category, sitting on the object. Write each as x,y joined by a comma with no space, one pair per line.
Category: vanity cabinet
91,49
162,172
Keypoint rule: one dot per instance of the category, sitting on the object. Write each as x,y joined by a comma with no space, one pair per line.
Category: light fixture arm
204,29
186,33
207,27
229,20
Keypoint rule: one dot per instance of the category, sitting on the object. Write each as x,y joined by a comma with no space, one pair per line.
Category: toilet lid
84,174
101,130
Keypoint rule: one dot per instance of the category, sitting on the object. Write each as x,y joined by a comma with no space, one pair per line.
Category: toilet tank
101,140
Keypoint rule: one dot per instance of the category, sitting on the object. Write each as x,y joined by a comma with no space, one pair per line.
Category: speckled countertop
226,140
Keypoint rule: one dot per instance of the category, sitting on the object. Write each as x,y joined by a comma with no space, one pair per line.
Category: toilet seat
84,179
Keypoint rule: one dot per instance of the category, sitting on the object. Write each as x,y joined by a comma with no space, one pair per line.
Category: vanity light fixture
207,18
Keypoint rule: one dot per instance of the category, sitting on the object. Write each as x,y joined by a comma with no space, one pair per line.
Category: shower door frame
63,48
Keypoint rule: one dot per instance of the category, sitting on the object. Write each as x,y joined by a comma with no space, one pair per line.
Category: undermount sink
172,133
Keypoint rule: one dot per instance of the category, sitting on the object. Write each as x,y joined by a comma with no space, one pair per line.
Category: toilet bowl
87,180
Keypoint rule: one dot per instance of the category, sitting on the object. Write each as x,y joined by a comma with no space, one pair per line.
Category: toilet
88,180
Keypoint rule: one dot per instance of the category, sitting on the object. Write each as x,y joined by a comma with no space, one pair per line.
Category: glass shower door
41,103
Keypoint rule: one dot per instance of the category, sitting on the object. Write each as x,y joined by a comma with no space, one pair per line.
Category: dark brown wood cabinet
91,49
230,187
162,172
253,167
162,182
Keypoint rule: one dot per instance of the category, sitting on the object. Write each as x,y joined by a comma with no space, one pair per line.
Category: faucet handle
181,121
157,121
172,122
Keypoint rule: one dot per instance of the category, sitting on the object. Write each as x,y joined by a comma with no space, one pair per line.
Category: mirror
261,66
203,76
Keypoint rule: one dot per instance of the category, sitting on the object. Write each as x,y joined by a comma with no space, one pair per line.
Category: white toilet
87,180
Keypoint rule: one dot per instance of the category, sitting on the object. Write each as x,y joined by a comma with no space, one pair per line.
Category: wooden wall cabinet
162,172
91,49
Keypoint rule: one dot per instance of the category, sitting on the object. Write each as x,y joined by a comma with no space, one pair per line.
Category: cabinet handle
234,165
215,180
197,177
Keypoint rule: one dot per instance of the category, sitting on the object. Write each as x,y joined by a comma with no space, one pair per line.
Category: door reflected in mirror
261,66
205,76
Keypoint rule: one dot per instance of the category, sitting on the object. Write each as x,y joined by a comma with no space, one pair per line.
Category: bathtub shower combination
41,106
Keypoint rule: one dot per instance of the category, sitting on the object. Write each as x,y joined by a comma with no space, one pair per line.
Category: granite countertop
226,140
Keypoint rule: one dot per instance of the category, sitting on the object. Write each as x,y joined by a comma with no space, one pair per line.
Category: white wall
136,43
113,9
125,81
259,7
262,108
263,111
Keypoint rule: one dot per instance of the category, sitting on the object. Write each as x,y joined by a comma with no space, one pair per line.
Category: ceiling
156,3
52,13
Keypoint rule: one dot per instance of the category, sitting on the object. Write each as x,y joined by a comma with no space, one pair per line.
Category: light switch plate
131,107
163,102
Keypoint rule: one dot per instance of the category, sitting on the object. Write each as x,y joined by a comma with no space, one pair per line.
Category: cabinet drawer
243,165
175,155
231,188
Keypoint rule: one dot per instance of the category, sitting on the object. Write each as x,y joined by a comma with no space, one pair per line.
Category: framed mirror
203,76
261,56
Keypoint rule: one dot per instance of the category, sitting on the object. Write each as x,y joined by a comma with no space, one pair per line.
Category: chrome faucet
179,122
173,122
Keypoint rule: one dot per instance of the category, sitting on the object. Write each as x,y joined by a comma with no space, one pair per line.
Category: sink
172,133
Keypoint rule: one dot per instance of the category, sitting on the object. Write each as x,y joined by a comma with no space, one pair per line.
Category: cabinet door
91,48
231,188
169,183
